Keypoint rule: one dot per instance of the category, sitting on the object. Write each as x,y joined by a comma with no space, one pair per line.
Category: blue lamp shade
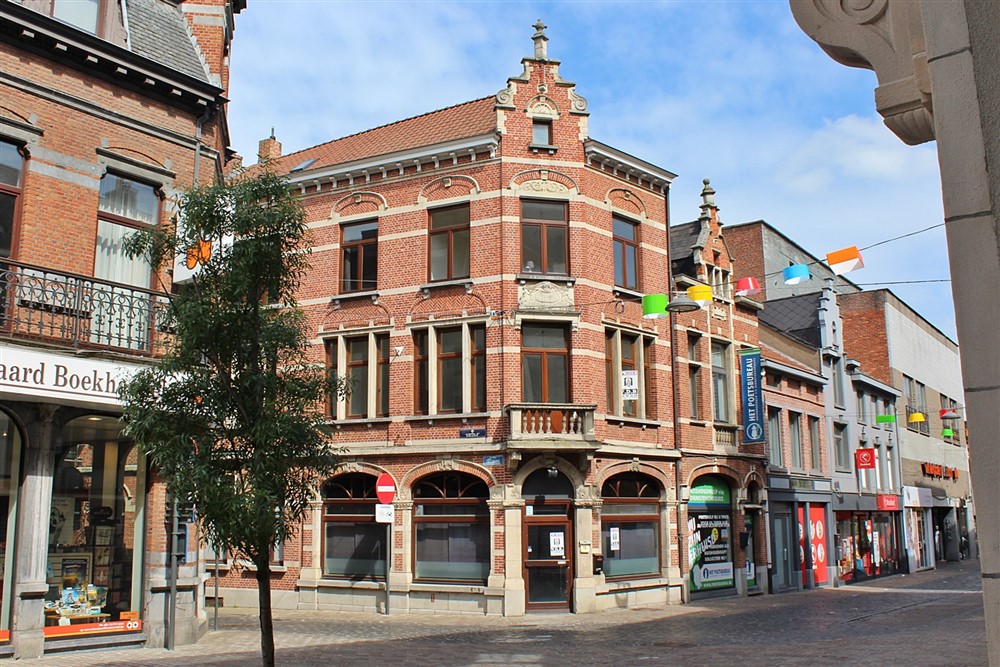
795,274
654,306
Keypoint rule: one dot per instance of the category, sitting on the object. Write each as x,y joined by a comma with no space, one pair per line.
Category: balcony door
545,367
548,541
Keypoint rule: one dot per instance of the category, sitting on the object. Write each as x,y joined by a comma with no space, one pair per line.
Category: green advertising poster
710,536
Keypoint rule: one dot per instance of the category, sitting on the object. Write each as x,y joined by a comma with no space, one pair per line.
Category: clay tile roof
461,121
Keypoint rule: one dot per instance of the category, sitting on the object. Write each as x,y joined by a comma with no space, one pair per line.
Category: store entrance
548,541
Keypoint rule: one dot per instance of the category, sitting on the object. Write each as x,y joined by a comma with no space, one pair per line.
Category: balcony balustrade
725,436
552,421
84,312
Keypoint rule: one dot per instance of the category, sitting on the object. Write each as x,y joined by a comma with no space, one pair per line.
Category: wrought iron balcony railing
85,312
551,421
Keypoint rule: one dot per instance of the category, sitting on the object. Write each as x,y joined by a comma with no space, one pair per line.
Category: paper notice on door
557,545
616,538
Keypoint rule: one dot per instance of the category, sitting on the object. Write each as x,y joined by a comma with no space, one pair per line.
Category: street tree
229,416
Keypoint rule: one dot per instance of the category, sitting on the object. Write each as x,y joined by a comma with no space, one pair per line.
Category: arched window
452,527
353,544
630,526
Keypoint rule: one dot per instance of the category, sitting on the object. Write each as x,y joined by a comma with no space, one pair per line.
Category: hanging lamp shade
682,303
845,260
654,306
916,418
701,294
885,419
950,413
795,274
747,286
947,432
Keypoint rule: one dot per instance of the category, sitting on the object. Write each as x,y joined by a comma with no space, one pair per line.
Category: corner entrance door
548,563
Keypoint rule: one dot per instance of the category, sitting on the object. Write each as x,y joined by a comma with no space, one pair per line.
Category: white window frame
468,377
340,411
644,339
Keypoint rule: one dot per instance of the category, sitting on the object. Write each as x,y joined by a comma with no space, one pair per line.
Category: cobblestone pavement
927,618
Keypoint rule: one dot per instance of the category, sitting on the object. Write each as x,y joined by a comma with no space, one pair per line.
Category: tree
229,416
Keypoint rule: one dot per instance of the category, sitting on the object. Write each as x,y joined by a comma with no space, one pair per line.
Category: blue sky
731,91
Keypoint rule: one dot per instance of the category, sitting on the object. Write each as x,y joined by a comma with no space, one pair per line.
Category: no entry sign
385,488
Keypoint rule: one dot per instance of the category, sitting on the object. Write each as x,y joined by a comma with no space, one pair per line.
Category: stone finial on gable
709,211
540,40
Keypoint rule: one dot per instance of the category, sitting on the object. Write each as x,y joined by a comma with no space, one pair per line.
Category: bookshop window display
10,450
94,557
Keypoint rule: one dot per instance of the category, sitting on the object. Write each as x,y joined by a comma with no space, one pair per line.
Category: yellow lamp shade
916,418
700,293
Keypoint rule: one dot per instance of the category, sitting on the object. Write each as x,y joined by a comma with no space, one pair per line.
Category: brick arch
448,187
405,485
359,313
631,466
138,155
544,180
627,201
727,472
457,302
359,203
539,462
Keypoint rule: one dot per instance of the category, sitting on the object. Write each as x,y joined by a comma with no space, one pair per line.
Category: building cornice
627,166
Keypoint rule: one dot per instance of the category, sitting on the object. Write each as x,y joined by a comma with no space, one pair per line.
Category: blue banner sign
753,401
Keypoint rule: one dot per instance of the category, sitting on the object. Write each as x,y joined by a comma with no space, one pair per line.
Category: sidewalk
809,627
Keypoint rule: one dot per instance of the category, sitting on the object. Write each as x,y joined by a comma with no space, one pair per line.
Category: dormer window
541,132
84,14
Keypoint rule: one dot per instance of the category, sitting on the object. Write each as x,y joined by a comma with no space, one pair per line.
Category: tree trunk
266,620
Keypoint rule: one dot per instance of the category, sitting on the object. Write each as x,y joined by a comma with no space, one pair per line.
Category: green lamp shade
947,433
654,306
885,419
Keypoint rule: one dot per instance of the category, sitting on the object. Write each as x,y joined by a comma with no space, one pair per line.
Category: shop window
626,251
122,317
95,545
452,528
359,256
450,369
544,237
545,363
449,243
364,361
353,544
627,372
10,451
710,535
630,526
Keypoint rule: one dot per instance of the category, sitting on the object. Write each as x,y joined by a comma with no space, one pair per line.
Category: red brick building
478,273
108,109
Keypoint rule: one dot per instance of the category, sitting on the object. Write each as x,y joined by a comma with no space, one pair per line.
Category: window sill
338,423
626,293
537,148
633,421
223,566
431,586
552,277
694,421
250,567
430,419
351,296
426,288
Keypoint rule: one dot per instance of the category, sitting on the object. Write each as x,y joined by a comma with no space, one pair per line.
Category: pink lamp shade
845,260
747,286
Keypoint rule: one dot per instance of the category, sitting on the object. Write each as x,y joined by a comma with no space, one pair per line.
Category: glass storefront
10,451
95,545
869,545
709,535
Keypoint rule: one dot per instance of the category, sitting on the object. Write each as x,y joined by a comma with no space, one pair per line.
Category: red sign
92,628
817,543
864,459
884,501
385,488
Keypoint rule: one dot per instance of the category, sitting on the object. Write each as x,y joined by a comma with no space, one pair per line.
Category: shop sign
76,628
753,403
864,459
817,543
44,375
885,501
493,460
710,492
937,470
709,552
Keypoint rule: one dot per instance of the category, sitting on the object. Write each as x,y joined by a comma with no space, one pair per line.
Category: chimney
269,149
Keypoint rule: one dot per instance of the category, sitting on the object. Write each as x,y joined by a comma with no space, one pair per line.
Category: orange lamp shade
845,260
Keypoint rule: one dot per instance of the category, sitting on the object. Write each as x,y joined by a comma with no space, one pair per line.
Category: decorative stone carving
446,464
887,38
542,107
543,186
578,104
505,97
545,296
